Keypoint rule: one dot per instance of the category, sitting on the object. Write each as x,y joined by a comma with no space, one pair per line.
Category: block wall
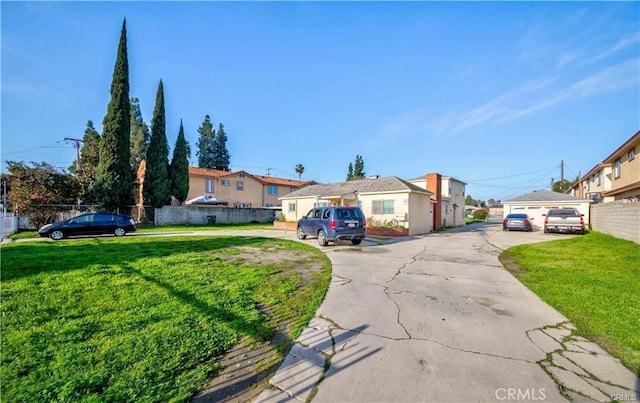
619,219
180,215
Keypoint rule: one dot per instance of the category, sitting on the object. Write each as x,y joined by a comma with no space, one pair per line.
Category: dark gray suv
333,224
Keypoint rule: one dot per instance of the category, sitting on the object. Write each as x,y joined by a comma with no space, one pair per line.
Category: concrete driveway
437,318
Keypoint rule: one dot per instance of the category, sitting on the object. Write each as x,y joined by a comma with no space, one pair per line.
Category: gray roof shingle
386,184
543,196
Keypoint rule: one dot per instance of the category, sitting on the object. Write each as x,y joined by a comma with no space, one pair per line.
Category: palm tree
299,170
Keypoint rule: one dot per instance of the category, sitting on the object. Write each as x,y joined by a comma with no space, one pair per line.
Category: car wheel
119,231
56,235
546,231
322,238
356,241
300,233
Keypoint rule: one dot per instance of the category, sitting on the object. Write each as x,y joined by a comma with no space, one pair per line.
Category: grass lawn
144,318
593,280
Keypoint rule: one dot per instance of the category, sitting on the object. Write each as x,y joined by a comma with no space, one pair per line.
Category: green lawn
137,318
593,280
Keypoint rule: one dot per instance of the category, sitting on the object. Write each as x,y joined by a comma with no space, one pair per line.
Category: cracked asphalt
437,318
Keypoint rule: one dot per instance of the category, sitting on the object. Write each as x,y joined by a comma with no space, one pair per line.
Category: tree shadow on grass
33,258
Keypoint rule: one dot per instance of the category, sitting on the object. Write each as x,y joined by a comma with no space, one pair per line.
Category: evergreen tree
221,155
358,168
179,168
89,159
299,170
139,137
37,191
350,172
114,184
206,136
156,188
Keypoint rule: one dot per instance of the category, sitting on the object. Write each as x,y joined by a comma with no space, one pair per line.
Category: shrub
480,214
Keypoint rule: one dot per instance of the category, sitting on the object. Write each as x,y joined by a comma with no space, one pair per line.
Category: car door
307,222
103,223
80,225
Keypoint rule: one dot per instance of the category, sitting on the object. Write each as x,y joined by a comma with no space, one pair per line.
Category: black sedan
520,222
90,224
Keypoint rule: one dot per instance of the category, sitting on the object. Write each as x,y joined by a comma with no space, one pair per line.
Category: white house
381,199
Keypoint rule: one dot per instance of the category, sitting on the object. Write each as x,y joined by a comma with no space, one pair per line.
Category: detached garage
537,203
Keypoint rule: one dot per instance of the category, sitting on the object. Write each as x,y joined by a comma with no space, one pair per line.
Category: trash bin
211,219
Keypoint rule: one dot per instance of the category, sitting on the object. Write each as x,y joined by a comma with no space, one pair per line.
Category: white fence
9,224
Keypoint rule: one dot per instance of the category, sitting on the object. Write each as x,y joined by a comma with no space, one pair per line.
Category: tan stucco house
239,188
381,200
448,193
537,203
617,177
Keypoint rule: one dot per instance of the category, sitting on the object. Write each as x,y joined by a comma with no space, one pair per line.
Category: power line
512,176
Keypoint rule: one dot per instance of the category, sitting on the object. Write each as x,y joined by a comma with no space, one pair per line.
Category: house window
632,154
599,178
208,186
382,207
273,190
240,185
225,182
616,168
292,207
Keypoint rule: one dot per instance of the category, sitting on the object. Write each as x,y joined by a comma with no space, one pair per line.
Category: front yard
593,280
145,318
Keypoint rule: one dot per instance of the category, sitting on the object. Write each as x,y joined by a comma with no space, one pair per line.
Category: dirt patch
510,264
246,368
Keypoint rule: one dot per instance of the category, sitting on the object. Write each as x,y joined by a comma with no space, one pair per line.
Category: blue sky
495,94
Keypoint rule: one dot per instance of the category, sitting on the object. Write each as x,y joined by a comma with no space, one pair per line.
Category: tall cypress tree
206,136
89,160
179,168
220,153
358,168
156,187
114,184
139,136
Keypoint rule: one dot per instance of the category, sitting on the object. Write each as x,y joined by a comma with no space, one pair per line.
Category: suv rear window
349,214
517,216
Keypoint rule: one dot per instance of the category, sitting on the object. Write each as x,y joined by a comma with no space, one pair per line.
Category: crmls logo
520,394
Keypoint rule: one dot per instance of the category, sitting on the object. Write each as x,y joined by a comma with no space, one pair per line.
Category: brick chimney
434,184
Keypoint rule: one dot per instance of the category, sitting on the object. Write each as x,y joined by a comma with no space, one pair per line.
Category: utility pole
76,145
269,171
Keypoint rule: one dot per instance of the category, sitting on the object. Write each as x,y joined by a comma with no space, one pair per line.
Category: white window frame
382,206
240,185
616,168
292,207
225,182
209,186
